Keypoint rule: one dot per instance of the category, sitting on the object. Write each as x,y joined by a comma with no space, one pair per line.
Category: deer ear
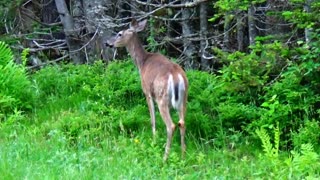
141,25
134,24
137,26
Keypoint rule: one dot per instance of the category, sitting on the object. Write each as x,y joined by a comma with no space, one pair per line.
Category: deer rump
164,80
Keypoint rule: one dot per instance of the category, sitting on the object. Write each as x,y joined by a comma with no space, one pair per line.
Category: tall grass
29,154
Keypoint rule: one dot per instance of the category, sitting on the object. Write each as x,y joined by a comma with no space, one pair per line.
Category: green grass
39,151
28,155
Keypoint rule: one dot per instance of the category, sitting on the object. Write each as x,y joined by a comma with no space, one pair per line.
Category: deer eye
119,34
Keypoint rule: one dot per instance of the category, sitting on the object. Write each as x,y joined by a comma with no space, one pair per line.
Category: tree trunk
188,47
69,30
49,15
96,48
49,12
270,19
203,35
240,31
226,31
251,25
307,31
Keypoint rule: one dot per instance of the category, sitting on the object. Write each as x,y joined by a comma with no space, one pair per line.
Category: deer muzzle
109,44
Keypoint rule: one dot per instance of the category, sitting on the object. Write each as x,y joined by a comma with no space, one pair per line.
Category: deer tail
176,89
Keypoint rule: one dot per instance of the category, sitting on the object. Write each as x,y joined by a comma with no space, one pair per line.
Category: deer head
125,36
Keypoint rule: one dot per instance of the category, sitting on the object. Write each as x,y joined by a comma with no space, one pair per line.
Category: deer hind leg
152,114
165,114
182,128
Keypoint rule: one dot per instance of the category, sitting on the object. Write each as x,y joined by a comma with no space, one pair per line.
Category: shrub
205,94
304,163
270,85
112,92
308,133
74,127
65,80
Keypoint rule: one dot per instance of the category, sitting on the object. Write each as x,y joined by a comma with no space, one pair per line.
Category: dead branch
92,38
48,62
172,5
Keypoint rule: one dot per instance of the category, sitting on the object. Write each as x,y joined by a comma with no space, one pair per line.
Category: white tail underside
176,102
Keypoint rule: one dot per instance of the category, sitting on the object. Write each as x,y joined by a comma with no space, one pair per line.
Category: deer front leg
165,114
152,114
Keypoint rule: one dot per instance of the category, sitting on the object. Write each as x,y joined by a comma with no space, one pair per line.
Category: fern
306,162
265,139
276,140
308,156
5,54
271,151
15,87
24,55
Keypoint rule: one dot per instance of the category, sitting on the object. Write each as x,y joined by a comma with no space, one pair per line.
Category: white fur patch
171,88
171,91
181,83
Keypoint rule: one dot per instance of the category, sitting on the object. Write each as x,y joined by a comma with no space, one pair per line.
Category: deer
162,81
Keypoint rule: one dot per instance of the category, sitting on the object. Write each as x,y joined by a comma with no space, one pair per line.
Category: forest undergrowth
256,118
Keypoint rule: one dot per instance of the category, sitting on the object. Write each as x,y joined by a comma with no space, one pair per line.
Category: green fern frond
305,162
306,148
270,150
276,140
5,54
24,55
15,87
265,139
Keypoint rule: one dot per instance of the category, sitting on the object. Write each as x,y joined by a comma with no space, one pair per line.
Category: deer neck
137,51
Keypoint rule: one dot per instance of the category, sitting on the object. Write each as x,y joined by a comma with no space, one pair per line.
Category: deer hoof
181,124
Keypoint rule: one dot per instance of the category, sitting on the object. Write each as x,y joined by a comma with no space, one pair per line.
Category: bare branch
278,76
50,44
172,5
49,62
92,38
38,21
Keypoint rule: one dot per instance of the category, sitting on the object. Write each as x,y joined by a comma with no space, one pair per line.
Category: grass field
28,153
44,149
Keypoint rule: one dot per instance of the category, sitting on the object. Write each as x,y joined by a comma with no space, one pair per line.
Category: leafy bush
308,133
304,163
294,96
272,84
122,85
202,100
113,92
76,127
16,92
118,84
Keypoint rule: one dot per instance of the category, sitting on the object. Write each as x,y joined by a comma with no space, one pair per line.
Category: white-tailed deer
162,81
